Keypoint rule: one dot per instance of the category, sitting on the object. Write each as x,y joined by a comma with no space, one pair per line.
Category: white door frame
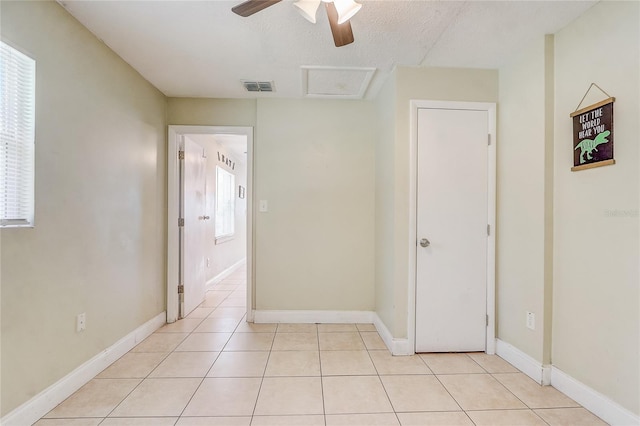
173,184
415,105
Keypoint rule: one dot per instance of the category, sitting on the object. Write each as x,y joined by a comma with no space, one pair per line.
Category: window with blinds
17,137
225,203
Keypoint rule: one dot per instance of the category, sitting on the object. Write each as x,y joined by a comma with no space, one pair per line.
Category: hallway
213,368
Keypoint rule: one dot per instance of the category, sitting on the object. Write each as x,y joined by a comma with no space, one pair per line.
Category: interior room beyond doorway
223,199
225,248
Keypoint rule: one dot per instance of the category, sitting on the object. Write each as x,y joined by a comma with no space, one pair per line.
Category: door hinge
489,139
487,320
180,155
180,288
180,222
488,230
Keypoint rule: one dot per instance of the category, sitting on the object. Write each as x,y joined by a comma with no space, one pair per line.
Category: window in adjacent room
17,137
225,204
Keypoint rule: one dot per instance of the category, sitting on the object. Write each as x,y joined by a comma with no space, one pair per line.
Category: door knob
206,217
424,242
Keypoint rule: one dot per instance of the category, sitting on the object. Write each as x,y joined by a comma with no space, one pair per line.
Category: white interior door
193,233
452,199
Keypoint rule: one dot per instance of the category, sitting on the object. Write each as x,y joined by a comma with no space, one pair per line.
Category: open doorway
210,254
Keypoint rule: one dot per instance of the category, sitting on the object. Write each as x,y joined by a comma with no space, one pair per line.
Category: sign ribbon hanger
587,92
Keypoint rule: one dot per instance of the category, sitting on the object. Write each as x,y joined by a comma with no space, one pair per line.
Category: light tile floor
213,368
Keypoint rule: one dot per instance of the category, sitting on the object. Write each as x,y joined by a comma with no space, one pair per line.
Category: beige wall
568,241
447,84
216,112
99,242
211,112
384,203
596,323
225,253
314,163
522,248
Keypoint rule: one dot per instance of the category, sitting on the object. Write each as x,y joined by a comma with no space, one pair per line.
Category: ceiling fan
338,11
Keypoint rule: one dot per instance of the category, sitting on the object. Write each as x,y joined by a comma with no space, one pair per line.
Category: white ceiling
202,49
236,144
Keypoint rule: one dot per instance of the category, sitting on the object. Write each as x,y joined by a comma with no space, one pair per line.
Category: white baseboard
598,404
224,274
32,410
603,407
309,317
396,346
523,362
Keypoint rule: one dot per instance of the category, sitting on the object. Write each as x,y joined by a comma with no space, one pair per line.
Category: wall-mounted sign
226,160
593,136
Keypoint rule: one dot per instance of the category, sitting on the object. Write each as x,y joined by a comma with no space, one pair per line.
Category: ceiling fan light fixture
308,9
346,9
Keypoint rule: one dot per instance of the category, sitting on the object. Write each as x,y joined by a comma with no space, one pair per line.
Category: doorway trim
415,105
173,201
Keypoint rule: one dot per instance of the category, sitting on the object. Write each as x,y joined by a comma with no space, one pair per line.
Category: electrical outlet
208,262
531,320
81,322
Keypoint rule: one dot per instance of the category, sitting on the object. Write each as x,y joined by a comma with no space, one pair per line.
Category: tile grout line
255,405
395,413
205,375
465,411
426,364
516,396
447,390
324,408
527,408
211,366
141,380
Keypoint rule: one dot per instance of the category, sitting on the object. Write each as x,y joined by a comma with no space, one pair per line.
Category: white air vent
258,86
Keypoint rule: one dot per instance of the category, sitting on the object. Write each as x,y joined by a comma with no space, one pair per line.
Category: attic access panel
335,82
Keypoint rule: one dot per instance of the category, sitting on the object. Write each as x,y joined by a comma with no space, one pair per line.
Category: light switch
264,206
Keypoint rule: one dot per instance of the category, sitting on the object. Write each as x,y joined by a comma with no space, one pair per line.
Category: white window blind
225,203
17,131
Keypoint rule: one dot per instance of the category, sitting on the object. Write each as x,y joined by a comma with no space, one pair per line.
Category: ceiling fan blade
250,7
342,34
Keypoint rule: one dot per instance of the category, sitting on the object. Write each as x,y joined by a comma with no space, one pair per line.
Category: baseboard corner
397,346
523,362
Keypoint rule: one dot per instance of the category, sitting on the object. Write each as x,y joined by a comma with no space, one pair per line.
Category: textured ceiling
202,49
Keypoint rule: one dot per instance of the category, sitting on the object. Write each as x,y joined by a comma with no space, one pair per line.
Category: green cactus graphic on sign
587,146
